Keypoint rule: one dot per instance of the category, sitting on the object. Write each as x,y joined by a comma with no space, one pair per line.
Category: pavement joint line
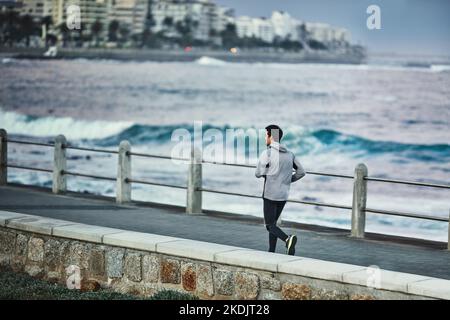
64,225
157,244
347,272
408,285
288,261
7,221
107,234
226,251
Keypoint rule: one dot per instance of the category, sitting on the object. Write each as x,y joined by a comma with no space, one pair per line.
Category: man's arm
263,165
299,171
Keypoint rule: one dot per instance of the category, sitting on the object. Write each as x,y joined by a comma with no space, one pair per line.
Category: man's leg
280,207
291,240
270,219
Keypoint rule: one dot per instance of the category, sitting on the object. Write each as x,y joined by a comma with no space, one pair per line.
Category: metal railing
194,181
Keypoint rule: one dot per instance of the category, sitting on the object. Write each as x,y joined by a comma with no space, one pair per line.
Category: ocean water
392,117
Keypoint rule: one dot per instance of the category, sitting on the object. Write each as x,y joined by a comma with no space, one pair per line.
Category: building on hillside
130,14
284,26
36,8
90,11
171,17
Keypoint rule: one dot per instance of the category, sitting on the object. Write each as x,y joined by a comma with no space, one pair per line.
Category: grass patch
20,286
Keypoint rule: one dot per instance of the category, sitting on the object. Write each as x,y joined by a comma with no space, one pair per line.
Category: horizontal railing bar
90,149
231,193
405,182
28,168
87,175
407,214
154,183
155,156
254,166
290,200
321,204
330,174
414,183
230,164
32,143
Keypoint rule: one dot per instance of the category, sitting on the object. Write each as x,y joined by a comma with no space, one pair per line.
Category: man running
280,168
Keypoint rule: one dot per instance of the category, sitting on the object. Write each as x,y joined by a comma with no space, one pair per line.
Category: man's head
273,134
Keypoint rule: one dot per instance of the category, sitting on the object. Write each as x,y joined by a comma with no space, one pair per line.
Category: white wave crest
208,61
7,60
15,123
440,67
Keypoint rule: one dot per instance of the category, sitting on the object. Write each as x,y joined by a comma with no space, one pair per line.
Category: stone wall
137,263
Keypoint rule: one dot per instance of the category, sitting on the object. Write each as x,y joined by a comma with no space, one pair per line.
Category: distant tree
229,36
9,27
113,29
168,22
146,37
184,29
316,45
27,28
96,29
124,32
149,19
81,37
303,32
290,45
213,32
47,21
64,32
276,42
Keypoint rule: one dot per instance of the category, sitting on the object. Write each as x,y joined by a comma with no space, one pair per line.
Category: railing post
194,184
3,157
448,240
123,188
59,165
359,201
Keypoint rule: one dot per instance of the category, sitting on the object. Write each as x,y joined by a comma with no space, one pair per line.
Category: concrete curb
234,256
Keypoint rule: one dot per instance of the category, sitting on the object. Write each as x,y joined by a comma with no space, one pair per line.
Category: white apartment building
263,29
205,16
248,27
129,13
325,33
36,8
221,16
284,25
280,24
90,11
244,27
201,13
341,34
319,31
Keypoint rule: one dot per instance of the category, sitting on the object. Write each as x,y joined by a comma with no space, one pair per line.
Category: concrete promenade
389,253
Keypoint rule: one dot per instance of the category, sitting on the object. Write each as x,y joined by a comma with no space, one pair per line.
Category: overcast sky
408,26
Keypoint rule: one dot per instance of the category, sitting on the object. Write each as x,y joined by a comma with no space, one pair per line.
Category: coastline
160,55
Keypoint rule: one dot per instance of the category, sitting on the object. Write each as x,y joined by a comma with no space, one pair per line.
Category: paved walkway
326,245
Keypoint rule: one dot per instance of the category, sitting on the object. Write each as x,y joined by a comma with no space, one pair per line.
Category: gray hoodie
276,165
